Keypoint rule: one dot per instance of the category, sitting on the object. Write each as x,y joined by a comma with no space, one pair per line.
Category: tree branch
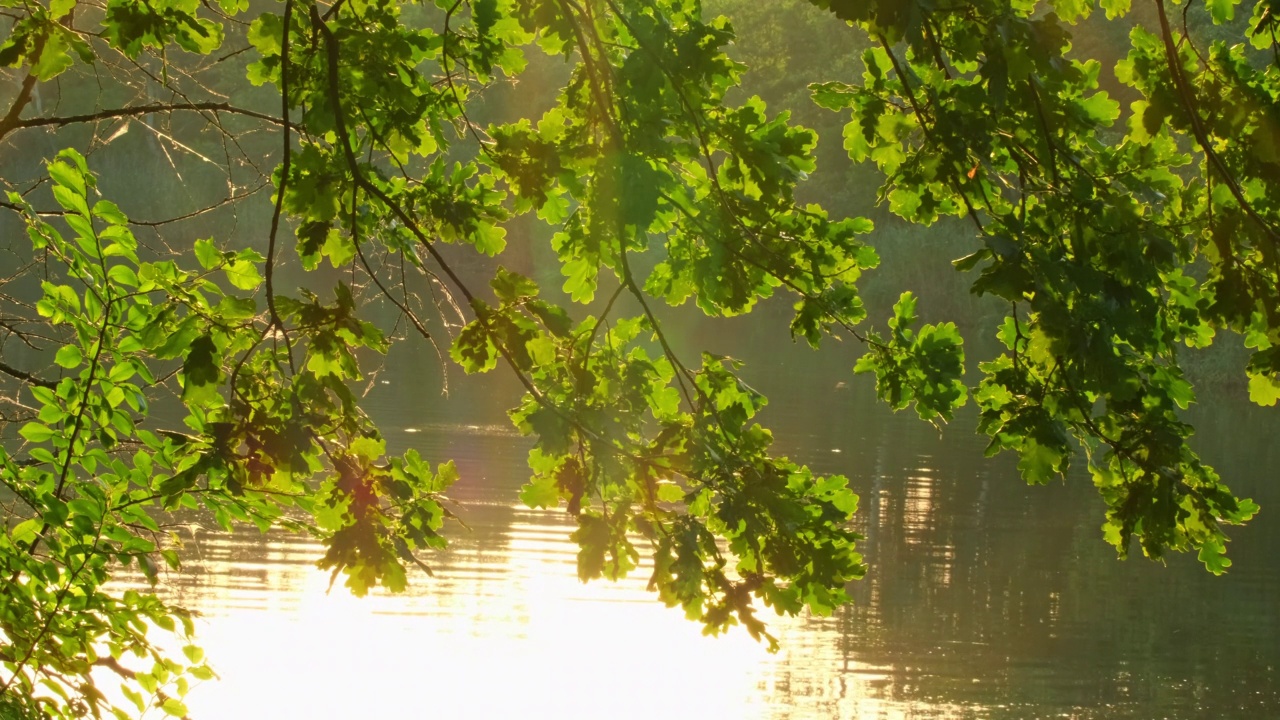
10,120
26,376
1197,128
11,123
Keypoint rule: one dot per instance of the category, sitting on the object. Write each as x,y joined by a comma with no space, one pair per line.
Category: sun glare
504,630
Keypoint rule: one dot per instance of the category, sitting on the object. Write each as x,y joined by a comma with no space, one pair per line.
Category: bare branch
133,111
26,376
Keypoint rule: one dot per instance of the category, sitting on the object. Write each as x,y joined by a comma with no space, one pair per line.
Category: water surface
986,599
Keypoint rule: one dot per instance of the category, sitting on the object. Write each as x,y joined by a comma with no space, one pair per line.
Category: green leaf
70,200
54,59
69,357
670,492
541,493
1213,555
832,95
68,176
512,287
474,350
1072,10
446,476
489,239
1264,389
36,432
25,532
1039,463
87,508
234,308
368,449
59,8
123,275
970,261
1222,11
581,279
1101,108
1116,8
243,274
904,312
338,248
200,373
109,212
207,254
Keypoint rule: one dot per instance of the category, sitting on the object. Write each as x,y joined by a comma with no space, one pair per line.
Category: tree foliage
187,380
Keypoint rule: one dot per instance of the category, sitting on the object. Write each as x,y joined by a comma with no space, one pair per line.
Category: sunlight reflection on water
501,631
986,599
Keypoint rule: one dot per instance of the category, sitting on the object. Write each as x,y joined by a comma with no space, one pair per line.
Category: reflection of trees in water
985,592
982,592
246,570
974,576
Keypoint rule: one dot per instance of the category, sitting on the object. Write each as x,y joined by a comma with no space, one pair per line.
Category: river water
985,599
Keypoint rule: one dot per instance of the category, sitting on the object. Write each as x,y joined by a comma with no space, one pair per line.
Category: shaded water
986,599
